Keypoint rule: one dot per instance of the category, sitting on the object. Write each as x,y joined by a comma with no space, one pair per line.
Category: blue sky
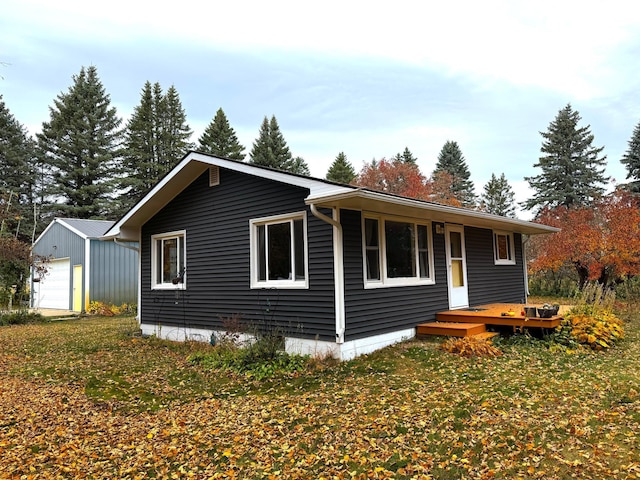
367,78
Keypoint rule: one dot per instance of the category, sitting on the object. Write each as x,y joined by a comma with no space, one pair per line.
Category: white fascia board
187,170
72,229
445,213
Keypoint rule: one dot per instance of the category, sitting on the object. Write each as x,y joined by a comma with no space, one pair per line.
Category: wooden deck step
451,329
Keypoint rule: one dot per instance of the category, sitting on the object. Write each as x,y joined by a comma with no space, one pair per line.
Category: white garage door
53,290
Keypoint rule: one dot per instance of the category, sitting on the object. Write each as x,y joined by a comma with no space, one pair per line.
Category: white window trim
253,239
512,248
384,281
154,263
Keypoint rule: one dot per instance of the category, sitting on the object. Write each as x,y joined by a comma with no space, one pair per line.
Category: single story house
338,269
81,268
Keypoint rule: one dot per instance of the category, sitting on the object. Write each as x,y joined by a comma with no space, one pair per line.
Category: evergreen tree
451,161
406,156
157,136
572,170
80,148
220,139
175,133
270,149
298,166
17,182
341,170
498,197
631,160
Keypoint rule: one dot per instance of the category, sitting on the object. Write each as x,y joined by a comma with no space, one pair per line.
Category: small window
279,251
503,248
168,260
396,252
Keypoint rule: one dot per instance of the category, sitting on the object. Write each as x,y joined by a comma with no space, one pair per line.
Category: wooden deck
491,314
473,321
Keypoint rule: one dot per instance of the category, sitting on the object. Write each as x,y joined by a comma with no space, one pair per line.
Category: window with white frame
396,252
279,251
168,260
504,253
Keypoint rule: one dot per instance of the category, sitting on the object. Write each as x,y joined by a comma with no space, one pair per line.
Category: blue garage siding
488,282
113,274
381,310
216,221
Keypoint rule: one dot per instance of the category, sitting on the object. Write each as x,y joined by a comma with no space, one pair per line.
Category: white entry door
456,267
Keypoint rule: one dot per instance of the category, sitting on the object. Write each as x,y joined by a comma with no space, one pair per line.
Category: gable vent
214,176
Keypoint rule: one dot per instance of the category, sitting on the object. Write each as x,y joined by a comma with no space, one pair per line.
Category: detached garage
83,269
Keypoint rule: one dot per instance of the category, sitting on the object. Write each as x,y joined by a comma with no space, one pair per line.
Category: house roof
81,227
322,193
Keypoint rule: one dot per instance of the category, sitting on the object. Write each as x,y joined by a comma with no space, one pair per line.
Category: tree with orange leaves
393,176
601,242
404,178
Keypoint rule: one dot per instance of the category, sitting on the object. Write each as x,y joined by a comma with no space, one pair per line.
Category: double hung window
168,262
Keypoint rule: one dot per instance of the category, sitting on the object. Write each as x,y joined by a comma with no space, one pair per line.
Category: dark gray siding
380,310
216,220
113,274
488,282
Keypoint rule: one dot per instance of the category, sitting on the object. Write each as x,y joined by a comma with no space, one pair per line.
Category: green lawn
86,399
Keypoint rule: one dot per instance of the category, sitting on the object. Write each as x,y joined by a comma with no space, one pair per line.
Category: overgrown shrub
471,347
20,317
563,283
109,310
591,322
260,356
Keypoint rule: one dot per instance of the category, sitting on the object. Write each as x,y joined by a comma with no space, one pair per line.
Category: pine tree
220,139
298,166
341,170
157,136
80,148
406,156
631,160
270,149
17,182
498,197
451,161
176,133
572,170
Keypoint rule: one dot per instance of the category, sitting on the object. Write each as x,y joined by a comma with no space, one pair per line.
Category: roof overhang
372,201
188,169
321,194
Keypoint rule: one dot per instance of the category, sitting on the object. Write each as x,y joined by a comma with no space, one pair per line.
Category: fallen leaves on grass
470,347
411,411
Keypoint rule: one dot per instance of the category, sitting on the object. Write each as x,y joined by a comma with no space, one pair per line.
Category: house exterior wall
217,281
488,282
58,243
113,274
376,311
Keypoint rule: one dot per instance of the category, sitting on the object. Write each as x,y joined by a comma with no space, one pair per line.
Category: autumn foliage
405,179
601,242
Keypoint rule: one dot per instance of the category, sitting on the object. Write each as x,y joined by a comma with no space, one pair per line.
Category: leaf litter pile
83,399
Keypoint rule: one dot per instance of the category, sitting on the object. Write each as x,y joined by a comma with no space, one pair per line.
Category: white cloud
567,46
